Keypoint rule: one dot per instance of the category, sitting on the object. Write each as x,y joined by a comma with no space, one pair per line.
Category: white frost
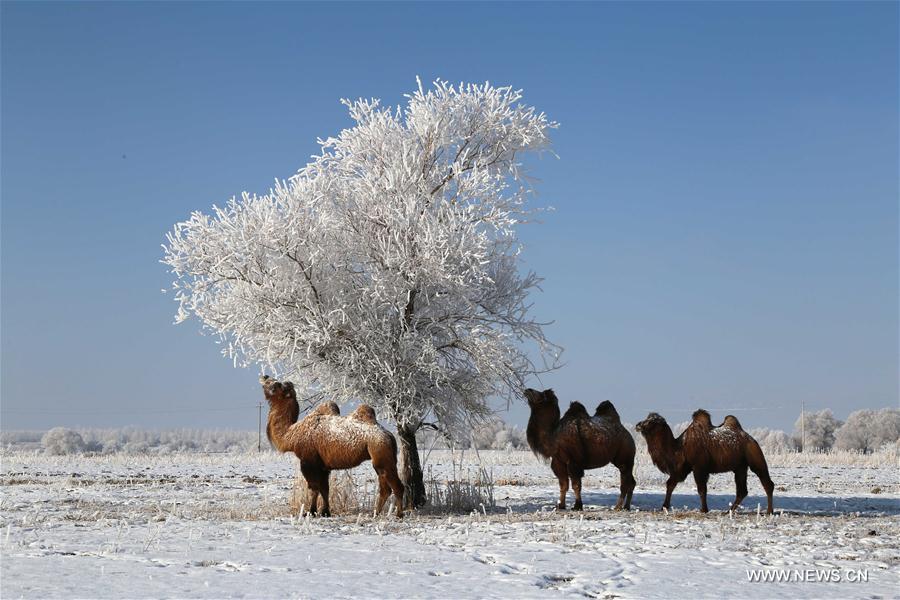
386,270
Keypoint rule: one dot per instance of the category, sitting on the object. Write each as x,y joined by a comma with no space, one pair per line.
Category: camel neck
663,448
541,431
281,417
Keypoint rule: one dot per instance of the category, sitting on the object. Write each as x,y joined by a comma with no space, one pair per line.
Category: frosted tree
60,440
773,440
385,270
869,430
818,429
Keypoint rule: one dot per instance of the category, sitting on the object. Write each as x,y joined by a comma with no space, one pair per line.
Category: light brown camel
325,441
705,449
579,441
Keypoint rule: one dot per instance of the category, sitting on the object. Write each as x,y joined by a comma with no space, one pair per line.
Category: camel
705,449
325,441
579,441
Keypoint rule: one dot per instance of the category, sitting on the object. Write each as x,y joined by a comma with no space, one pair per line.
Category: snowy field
220,526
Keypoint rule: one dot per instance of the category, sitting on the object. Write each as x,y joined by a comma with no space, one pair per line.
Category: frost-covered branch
385,270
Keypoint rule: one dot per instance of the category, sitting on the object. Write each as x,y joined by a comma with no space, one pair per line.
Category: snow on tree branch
386,269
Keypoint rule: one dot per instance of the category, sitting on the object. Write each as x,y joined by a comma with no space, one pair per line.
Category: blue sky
726,193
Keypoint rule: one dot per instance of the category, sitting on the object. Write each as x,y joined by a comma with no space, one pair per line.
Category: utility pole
802,427
259,427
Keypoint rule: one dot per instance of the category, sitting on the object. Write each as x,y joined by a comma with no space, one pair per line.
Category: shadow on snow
806,505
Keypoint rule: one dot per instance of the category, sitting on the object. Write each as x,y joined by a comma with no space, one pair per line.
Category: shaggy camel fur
579,441
324,441
705,449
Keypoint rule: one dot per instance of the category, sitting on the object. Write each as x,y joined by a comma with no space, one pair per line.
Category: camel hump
606,410
701,417
576,409
327,408
364,413
732,422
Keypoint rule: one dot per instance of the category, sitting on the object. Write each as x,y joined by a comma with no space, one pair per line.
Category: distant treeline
131,440
863,431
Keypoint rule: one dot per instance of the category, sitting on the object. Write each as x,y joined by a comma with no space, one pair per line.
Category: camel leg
323,489
762,471
385,487
757,463
740,485
626,486
562,475
397,486
387,469
575,475
384,490
312,482
670,487
701,479
576,487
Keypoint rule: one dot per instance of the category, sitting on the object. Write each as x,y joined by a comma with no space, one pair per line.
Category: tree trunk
411,470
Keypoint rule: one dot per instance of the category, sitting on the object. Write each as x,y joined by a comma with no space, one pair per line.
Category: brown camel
579,441
324,441
705,449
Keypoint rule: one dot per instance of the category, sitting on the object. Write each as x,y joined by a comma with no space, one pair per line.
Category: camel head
653,423
283,407
661,444
538,399
277,392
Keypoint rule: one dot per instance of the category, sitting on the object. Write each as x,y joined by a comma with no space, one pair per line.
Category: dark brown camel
578,442
705,449
324,441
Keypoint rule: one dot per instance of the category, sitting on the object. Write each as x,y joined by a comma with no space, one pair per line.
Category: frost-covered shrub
20,437
869,430
493,435
135,441
60,440
773,440
21,440
820,428
499,436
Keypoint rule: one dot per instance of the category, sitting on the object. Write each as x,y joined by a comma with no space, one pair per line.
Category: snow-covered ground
214,526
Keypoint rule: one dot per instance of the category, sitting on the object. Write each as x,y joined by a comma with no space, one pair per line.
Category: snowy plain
221,526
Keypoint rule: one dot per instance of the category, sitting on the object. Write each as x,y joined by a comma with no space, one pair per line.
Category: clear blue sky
726,224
